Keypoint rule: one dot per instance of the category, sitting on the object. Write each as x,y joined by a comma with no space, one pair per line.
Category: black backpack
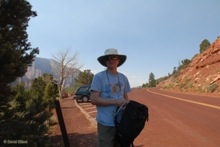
129,121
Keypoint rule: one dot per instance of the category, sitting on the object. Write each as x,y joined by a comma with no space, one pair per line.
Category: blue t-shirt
110,86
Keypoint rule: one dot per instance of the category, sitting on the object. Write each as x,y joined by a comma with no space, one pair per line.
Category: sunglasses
112,58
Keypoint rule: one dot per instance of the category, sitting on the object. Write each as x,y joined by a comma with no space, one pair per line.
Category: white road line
92,112
90,108
90,118
83,104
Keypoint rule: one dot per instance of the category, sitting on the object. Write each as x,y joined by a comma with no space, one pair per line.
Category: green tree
84,78
145,85
50,94
31,109
174,70
184,64
204,45
22,113
152,81
16,53
38,86
46,88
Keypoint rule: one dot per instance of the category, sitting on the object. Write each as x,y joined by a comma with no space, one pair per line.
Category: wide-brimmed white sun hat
111,52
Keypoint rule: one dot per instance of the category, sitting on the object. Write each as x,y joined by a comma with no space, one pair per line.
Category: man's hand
120,101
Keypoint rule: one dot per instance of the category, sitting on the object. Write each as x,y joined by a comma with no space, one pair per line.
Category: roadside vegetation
84,78
24,113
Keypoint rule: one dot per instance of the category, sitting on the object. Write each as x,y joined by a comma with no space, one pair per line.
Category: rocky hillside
201,76
41,66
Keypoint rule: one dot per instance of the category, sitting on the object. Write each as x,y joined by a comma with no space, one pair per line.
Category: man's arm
97,100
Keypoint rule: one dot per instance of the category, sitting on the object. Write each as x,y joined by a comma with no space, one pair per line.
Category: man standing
109,90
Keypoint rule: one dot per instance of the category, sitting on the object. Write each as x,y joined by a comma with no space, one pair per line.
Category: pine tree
152,81
31,109
16,53
204,45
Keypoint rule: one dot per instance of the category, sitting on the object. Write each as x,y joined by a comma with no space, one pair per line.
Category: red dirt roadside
81,132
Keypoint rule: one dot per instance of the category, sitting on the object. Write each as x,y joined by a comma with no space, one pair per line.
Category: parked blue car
82,94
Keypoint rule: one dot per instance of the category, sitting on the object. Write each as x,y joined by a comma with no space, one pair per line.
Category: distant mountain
201,76
41,66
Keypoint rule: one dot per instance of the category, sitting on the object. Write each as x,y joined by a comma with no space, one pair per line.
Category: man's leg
106,136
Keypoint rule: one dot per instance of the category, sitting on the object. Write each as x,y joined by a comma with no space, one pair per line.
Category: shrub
212,87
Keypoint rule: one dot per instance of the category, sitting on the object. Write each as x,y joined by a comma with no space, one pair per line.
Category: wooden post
62,124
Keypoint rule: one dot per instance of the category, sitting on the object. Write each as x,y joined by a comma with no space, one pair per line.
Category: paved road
178,120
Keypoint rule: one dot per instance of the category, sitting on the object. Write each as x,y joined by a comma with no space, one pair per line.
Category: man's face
112,61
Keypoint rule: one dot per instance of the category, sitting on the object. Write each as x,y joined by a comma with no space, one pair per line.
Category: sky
155,35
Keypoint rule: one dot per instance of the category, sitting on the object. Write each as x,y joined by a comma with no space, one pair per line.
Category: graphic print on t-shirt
112,91
115,88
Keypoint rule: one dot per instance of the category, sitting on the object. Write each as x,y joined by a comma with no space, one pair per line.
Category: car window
84,89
